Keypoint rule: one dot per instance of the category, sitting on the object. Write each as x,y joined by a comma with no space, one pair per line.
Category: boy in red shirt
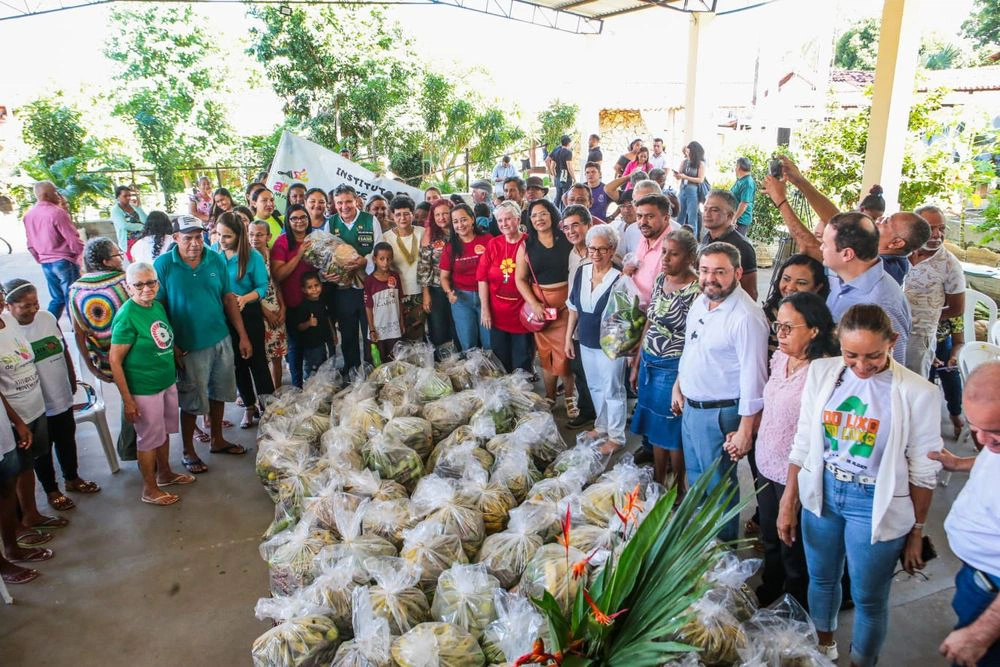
384,302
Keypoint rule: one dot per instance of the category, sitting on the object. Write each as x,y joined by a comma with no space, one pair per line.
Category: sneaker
579,422
830,651
571,410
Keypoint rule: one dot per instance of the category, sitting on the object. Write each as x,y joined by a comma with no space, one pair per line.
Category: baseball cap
187,223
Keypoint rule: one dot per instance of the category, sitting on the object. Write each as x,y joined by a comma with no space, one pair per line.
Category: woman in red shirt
500,301
459,266
287,267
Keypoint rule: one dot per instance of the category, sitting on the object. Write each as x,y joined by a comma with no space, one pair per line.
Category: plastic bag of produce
332,255
414,432
448,413
388,519
506,554
714,631
395,596
500,444
333,589
276,455
291,556
437,501
782,635
466,369
393,460
728,577
598,501
457,437
281,402
495,414
389,370
399,391
368,484
358,389
493,499
538,432
417,354
548,571
554,489
283,520
585,456
307,640
431,550
330,504
321,386
521,394
305,476
623,320
431,385
513,633
437,645
464,597
516,471
370,646
365,416
340,448
354,543
454,461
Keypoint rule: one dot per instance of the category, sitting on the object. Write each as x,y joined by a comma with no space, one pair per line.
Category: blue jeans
313,358
465,312
703,433
970,601
689,209
60,275
294,357
951,381
845,531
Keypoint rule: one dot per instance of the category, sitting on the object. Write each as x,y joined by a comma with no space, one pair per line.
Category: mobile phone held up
774,168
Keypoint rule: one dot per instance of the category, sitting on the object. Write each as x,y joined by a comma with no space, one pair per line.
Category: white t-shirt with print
7,440
856,422
925,287
19,381
49,347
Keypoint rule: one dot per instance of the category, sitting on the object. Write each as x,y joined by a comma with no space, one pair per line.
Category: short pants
157,418
14,463
208,375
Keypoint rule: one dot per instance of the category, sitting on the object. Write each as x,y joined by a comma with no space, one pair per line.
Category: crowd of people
824,386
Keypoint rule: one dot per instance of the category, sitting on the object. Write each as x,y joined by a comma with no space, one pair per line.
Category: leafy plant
765,220
53,128
659,574
990,226
555,121
857,47
69,175
983,24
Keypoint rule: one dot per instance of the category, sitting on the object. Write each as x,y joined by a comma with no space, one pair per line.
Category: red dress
496,267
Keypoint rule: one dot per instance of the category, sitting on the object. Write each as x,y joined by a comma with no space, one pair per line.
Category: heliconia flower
538,656
565,531
632,507
580,567
600,616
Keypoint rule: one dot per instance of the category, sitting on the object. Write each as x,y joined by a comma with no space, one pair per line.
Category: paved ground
133,584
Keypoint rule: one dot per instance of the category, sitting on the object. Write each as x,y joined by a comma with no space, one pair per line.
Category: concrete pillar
895,70
698,109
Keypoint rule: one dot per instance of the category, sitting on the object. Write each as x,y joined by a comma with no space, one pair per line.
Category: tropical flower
600,616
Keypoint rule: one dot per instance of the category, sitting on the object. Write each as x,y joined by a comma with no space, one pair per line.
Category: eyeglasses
783,329
598,251
144,284
298,218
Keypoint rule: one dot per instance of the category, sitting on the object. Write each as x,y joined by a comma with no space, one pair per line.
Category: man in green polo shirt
347,303
196,293
744,189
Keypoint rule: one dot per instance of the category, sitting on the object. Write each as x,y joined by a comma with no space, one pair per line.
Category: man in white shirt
973,527
501,173
658,158
720,381
935,288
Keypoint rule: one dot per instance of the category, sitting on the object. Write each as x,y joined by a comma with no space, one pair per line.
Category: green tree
53,128
766,220
168,86
79,187
554,121
983,24
857,48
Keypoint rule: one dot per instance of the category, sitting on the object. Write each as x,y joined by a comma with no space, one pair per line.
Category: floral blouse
428,268
667,314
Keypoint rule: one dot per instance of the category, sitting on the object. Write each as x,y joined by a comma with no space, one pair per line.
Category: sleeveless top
551,265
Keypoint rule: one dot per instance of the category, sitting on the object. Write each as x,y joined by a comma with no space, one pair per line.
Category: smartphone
551,314
774,168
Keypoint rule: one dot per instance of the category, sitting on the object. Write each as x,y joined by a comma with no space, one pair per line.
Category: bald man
54,242
973,527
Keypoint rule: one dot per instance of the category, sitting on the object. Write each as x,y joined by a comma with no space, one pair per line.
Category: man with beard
719,220
720,381
653,222
935,288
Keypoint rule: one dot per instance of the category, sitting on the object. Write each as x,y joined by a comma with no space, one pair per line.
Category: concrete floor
133,584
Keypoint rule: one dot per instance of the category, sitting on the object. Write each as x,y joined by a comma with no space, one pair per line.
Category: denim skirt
652,417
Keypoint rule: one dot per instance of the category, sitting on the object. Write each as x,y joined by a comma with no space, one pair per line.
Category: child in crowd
312,320
384,302
58,381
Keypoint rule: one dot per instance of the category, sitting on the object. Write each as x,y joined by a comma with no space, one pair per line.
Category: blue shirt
874,286
744,190
194,298
254,279
599,209
896,266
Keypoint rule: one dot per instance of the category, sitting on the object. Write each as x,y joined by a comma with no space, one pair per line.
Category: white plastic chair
975,354
972,297
93,409
995,333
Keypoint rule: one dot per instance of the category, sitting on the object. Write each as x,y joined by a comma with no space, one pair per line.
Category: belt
711,405
844,476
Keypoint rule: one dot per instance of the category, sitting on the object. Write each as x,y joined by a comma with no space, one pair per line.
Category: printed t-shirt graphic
856,422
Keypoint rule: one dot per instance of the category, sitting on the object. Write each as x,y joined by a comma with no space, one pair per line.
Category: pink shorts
157,418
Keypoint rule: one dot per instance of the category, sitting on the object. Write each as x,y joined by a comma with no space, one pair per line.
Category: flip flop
201,436
162,501
232,449
34,538
61,503
194,465
22,577
51,522
178,479
226,423
82,486
246,423
37,556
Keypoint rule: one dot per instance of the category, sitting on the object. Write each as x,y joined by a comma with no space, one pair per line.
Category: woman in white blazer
860,472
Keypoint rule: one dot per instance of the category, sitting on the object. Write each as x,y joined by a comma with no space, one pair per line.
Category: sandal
61,503
82,486
194,465
36,556
22,577
33,538
162,501
232,449
247,422
50,522
751,527
178,479
201,436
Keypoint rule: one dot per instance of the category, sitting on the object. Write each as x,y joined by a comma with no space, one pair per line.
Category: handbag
527,315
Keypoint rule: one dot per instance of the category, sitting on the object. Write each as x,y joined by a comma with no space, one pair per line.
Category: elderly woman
127,219
500,300
542,278
405,241
654,369
437,235
859,469
587,299
142,362
459,266
576,223
378,206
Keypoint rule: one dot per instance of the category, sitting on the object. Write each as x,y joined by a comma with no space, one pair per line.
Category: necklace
794,364
507,264
410,254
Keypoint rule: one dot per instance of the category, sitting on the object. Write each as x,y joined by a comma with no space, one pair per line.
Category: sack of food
599,500
513,633
585,457
322,385
430,550
329,505
353,542
492,499
365,416
367,484
395,596
308,640
275,457
464,597
370,646
340,446
516,471
304,476
782,635
521,394
554,489
455,461
357,389
623,320
430,385
332,255
714,631
389,370
291,557
284,400
550,570
414,432
393,460
416,353
500,444
388,519
466,369
283,520
728,577
333,589
437,645
437,501
495,414
448,413
539,433
506,554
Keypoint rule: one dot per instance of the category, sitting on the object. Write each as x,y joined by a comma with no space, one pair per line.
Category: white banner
299,160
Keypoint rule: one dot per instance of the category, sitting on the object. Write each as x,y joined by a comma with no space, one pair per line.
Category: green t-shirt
744,190
149,365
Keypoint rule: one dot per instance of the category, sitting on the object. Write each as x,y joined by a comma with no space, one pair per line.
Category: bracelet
917,526
783,202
